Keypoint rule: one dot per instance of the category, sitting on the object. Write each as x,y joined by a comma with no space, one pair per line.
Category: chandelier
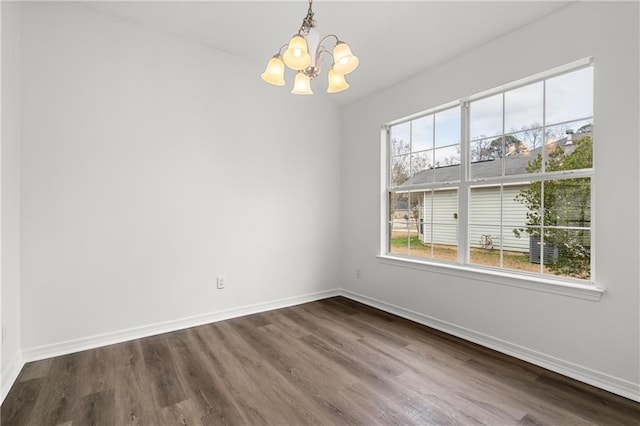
303,54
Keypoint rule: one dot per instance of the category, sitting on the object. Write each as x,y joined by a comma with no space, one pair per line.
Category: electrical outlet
220,282
358,273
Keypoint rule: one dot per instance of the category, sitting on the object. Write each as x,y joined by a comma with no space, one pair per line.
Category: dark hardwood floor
333,361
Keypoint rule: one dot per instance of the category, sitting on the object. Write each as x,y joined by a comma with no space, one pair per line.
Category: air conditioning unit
535,247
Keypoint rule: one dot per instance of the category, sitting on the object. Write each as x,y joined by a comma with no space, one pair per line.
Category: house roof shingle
514,164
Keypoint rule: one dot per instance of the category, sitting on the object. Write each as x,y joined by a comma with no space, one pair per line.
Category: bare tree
486,149
532,135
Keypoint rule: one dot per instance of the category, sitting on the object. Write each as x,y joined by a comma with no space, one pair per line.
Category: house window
500,180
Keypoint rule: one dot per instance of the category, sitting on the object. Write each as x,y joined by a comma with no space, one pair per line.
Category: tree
486,149
494,149
400,162
403,163
514,145
403,166
563,203
532,136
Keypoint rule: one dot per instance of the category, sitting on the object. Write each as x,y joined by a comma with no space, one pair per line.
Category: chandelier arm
326,37
284,46
322,49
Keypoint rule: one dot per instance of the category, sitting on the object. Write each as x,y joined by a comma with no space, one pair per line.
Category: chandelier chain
308,21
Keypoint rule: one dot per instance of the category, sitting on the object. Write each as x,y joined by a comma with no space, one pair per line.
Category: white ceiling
393,39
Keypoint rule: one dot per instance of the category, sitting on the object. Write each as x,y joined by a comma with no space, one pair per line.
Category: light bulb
297,55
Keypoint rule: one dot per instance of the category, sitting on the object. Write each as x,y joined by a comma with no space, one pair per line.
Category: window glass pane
416,225
484,225
422,133
447,156
521,226
447,162
399,170
518,200
569,96
421,244
569,146
522,253
484,245
400,136
421,167
567,202
568,131
486,149
568,252
448,249
448,127
523,153
529,139
485,156
440,215
399,224
522,206
486,117
523,107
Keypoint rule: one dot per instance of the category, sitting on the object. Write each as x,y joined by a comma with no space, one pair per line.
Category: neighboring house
439,216
402,211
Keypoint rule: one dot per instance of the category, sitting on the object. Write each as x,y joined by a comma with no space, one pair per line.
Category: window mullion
385,208
463,191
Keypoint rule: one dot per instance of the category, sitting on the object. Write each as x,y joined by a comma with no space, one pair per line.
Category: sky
563,98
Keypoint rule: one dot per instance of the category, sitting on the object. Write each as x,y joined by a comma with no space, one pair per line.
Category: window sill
579,291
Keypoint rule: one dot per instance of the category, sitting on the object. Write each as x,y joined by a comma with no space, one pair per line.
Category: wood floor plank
315,381
20,402
333,361
95,371
590,403
35,370
204,385
95,409
252,374
165,383
134,403
181,413
59,392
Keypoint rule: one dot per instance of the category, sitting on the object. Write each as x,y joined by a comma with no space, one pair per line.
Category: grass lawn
511,259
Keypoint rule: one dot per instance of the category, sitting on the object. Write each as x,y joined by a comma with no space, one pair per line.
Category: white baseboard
91,342
10,374
604,381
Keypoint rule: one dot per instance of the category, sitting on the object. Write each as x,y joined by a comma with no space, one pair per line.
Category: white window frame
566,286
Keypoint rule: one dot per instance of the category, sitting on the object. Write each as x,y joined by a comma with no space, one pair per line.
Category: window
498,181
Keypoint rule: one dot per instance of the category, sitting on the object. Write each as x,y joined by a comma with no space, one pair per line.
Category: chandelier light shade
297,55
274,74
337,82
302,85
345,61
304,53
